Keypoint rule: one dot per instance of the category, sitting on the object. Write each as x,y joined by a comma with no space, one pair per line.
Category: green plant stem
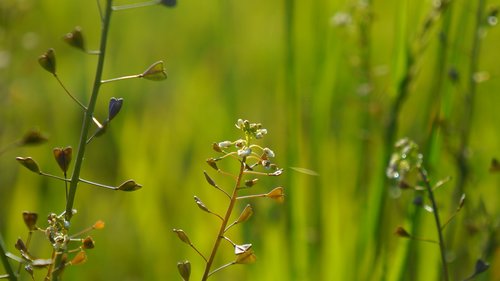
87,121
69,94
136,5
222,267
435,212
121,78
225,221
5,261
75,178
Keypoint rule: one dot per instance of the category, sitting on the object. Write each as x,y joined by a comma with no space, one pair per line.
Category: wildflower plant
406,168
69,248
254,161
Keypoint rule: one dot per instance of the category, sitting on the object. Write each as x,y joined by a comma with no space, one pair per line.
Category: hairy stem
225,221
435,212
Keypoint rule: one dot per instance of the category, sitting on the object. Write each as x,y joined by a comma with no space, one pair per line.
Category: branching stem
435,212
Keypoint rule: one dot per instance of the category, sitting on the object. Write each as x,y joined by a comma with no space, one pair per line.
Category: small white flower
240,143
268,152
244,152
225,144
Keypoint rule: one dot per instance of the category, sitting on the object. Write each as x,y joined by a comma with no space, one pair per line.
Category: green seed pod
245,214
48,61
182,235
155,72
276,194
30,219
63,157
33,137
88,243
75,38
129,185
184,269
29,163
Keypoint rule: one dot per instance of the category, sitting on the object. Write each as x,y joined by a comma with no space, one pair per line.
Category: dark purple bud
115,104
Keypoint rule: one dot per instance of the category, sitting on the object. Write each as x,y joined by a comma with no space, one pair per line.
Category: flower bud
268,152
244,152
115,104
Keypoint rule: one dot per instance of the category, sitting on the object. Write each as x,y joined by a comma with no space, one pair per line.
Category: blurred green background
322,76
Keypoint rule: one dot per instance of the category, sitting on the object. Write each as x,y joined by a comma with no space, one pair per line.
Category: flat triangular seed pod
48,61
29,163
129,185
245,214
184,269
182,235
155,72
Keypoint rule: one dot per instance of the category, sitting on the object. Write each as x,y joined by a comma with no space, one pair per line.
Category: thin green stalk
121,78
5,261
69,93
225,221
435,212
87,121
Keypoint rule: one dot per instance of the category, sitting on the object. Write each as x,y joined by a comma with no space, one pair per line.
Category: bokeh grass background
322,76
